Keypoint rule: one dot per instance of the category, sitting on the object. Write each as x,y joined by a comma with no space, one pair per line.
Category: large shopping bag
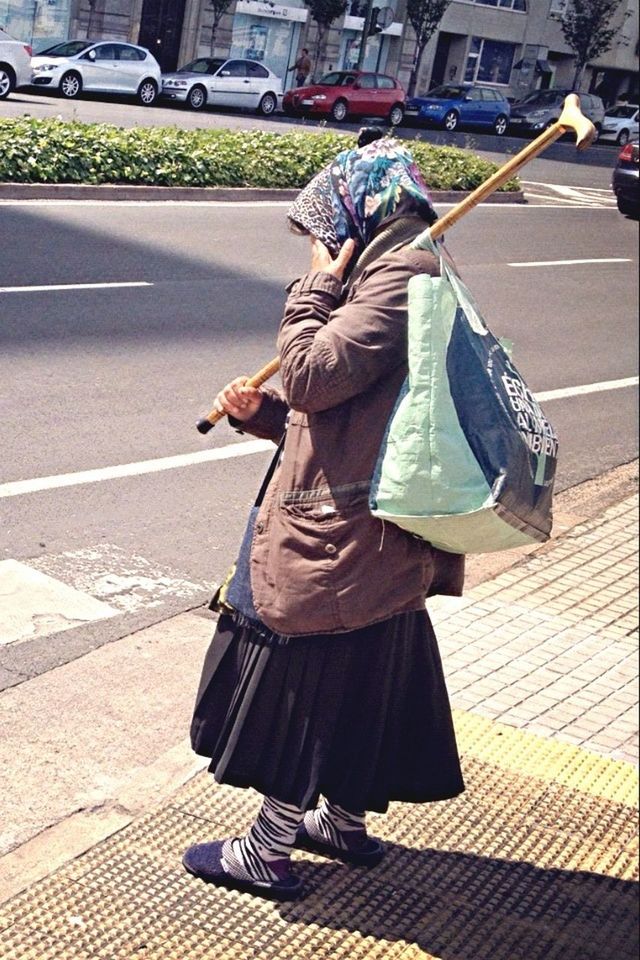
468,460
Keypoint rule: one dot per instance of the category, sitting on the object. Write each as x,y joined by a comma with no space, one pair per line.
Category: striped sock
330,823
263,855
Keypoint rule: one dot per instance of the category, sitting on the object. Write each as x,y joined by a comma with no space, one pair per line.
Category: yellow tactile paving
525,865
549,760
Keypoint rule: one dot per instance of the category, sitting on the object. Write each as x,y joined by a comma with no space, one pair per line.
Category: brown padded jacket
320,562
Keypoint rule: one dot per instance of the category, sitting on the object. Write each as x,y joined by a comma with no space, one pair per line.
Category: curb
81,191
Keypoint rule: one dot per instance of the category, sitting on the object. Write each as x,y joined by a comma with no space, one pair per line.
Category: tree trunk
578,75
413,79
319,46
93,17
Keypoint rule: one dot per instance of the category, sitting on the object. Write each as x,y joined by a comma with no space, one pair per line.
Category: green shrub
54,151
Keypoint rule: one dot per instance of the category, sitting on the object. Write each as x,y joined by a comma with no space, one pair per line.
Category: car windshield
447,93
336,80
542,98
202,65
623,112
68,49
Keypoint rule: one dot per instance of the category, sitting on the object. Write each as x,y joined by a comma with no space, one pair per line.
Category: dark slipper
204,860
368,854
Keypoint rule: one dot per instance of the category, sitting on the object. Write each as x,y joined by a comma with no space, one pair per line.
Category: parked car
98,67
216,82
344,93
625,181
620,124
541,109
15,64
462,104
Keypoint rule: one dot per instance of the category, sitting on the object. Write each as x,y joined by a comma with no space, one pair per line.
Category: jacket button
331,548
259,526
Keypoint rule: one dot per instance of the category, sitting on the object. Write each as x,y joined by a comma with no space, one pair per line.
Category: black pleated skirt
361,717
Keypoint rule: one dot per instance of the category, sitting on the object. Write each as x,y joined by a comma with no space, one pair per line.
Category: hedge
55,151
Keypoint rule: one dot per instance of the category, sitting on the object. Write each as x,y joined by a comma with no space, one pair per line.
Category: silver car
15,64
98,67
211,81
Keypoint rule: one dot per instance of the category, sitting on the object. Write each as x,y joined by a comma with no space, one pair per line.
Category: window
558,8
235,68
367,81
129,53
386,83
490,95
255,70
519,5
106,51
489,61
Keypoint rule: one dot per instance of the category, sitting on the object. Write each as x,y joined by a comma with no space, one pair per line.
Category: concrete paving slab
75,738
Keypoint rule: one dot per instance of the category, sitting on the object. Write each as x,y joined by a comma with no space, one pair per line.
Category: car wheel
339,111
451,120
147,92
500,125
71,85
7,80
197,97
623,138
268,104
396,115
627,208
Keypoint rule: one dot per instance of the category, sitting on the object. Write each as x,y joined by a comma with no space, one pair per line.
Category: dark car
343,93
541,109
461,104
625,181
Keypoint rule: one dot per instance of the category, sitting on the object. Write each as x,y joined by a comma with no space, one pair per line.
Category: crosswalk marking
56,592
556,193
33,604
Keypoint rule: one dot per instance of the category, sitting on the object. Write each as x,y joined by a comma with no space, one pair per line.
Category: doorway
161,30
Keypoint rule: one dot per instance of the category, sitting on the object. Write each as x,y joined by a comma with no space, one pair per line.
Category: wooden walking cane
571,118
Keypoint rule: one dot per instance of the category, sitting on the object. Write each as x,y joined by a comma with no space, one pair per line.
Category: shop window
489,61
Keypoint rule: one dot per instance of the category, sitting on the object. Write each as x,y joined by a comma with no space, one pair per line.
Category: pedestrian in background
324,677
302,67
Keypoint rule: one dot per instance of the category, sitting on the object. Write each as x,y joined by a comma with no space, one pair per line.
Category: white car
211,81
104,67
15,64
620,124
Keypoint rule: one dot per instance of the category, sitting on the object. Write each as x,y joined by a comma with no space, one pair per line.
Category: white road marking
563,263
75,286
587,388
591,197
126,582
18,487
33,604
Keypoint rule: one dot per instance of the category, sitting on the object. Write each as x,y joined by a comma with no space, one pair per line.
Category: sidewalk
536,860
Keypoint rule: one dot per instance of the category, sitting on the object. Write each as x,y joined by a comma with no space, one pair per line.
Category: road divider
244,449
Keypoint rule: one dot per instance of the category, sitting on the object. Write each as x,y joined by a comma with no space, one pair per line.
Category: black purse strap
270,472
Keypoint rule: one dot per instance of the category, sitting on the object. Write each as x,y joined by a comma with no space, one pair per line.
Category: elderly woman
324,677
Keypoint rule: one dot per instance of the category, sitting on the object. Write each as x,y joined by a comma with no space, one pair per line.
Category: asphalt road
93,378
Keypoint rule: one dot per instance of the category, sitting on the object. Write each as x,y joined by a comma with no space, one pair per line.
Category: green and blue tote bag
469,459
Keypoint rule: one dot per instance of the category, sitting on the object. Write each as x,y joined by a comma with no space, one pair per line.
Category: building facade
516,45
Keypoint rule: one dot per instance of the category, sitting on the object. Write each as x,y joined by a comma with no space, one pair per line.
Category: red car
344,93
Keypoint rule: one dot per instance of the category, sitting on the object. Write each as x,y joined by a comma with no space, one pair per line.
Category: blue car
455,105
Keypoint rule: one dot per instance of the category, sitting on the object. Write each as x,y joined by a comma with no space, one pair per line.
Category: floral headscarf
360,190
